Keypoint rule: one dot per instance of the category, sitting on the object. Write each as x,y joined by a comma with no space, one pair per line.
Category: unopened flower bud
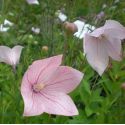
100,15
45,48
30,36
104,6
70,27
123,86
35,42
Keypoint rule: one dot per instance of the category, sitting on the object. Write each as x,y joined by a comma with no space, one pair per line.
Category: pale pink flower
33,2
10,56
45,86
103,43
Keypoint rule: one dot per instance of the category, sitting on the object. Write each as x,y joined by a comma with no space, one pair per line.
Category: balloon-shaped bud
70,27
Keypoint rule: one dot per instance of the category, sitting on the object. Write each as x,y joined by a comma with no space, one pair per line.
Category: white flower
7,22
35,30
33,2
5,26
10,56
82,29
62,17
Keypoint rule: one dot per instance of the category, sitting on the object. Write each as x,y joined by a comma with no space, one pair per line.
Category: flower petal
5,53
3,28
62,16
96,53
64,79
58,104
114,29
82,29
33,2
15,54
7,22
97,32
32,103
35,30
41,69
113,46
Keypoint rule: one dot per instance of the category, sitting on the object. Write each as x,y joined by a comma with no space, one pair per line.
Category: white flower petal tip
82,29
7,22
35,30
5,26
104,6
33,2
45,86
103,43
10,56
62,17
116,1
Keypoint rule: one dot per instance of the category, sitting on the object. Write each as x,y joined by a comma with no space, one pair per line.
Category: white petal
113,24
33,2
82,29
96,53
98,32
15,54
3,28
7,22
35,30
62,17
114,29
10,56
114,47
5,53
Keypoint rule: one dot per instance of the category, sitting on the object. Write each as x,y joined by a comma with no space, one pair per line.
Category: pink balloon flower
45,86
10,56
103,43
33,2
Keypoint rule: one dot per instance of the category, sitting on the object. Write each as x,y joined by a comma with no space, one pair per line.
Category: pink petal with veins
96,53
40,95
64,79
103,43
10,56
41,68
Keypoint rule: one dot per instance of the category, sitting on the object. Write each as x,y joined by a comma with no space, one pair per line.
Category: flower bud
35,42
70,27
123,86
30,36
45,48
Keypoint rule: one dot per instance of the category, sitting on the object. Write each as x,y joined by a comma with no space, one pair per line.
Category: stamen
38,87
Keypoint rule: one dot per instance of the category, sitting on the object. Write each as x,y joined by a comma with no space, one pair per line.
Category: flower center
101,37
38,87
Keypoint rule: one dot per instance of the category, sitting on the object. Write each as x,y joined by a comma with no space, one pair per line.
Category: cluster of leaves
99,99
